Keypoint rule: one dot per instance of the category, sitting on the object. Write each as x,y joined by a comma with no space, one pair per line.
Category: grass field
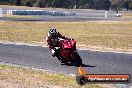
113,35
17,77
127,15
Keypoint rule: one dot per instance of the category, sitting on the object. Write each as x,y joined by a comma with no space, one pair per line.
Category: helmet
53,32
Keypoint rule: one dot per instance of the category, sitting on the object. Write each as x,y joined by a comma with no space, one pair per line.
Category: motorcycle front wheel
78,59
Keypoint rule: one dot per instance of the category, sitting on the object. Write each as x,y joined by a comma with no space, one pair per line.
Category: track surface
81,15
40,57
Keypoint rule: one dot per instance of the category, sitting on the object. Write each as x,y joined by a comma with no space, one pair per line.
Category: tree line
70,4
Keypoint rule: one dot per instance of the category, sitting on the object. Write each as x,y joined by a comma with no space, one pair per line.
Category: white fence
39,12
1,12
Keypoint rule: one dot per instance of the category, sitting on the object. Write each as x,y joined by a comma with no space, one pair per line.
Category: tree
117,4
107,4
29,3
40,3
91,4
18,2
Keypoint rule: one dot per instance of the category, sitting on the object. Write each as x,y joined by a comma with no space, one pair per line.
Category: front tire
78,59
60,58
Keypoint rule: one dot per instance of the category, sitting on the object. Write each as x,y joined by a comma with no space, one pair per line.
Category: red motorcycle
67,53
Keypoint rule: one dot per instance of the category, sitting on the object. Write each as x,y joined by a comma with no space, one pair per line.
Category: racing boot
53,52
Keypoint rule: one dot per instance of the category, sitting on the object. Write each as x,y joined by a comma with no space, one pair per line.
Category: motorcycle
67,53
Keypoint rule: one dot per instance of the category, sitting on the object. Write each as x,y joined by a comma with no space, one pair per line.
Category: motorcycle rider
53,40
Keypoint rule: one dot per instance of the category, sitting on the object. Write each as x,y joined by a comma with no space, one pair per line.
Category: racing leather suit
53,41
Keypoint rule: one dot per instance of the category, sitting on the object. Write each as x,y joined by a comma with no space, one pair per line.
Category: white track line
42,45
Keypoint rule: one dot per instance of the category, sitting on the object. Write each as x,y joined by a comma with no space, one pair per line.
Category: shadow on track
84,65
73,64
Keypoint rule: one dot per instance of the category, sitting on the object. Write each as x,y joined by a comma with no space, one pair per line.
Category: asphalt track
53,19
81,15
95,62
78,18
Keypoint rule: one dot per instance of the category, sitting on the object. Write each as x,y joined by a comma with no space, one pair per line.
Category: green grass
114,35
34,77
5,67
